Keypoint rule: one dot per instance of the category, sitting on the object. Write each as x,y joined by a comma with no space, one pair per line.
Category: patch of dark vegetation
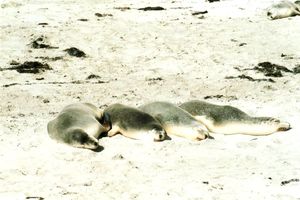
8,85
83,20
50,59
36,198
46,101
93,76
205,182
43,24
32,67
155,79
289,181
243,76
287,57
118,157
75,52
39,44
103,15
271,70
79,82
242,44
122,8
150,8
220,96
200,12
296,70
181,7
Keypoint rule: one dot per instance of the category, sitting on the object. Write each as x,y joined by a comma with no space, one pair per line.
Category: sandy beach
133,57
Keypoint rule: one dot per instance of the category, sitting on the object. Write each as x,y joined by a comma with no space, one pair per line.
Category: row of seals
81,124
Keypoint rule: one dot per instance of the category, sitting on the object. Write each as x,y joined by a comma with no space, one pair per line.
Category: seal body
284,9
79,125
175,120
134,123
230,120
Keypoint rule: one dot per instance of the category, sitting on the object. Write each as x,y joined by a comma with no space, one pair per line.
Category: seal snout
159,136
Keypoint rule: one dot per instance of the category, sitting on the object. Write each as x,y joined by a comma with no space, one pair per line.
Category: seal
284,9
79,125
230,120
134,123
176,121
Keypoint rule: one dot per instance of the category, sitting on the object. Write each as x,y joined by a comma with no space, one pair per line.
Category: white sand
191,55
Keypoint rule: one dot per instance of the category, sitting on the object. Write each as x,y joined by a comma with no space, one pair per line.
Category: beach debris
155,79
37,198
50,58
200,12
296,70
152,81
75,52
93,76
150,8
77,82
270,69
39,44
43,24
290,181
118,157
242,44
243,76
122,8
46,101
103,15
210,1
220,96
33,67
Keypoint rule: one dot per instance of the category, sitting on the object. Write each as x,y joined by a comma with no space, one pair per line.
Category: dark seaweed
33,67
149,8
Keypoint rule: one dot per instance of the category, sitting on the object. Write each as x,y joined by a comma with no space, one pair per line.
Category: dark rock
75,52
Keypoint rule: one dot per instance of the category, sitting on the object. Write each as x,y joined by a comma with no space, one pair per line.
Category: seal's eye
160,136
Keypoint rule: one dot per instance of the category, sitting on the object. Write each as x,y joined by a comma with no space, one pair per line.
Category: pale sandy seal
176,121
284,9
79,125
134,123
230,120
